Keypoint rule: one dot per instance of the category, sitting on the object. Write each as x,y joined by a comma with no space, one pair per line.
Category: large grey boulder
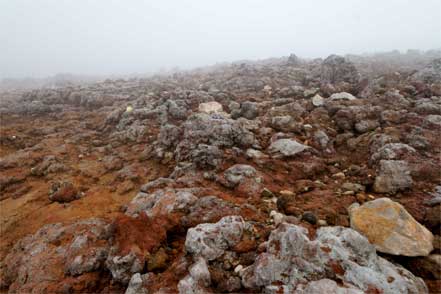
292,261
55,253
211,240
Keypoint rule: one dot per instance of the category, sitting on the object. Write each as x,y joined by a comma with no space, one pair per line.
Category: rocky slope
278,176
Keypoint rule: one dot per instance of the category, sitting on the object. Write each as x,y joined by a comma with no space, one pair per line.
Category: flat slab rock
287,147
342,96
391,228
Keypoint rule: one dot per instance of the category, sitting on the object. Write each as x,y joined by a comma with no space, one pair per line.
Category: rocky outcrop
293,260
34,263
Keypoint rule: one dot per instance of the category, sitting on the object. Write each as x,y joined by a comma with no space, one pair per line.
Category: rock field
276,176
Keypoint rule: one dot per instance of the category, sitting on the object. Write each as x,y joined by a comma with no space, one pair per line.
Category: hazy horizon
42,38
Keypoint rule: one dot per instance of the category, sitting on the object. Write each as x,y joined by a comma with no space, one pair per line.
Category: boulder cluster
279,176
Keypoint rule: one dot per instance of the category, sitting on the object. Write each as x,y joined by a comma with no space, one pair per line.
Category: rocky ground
278,176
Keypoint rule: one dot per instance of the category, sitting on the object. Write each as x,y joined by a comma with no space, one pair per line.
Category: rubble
235,178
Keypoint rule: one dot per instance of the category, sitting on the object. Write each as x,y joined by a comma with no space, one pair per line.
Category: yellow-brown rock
391,228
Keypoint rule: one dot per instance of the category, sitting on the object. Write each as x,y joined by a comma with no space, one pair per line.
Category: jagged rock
215,130
54,252
211,240
206,156
391,228
169,135
124,267
392,151
286,147
161,202
292,260
197,279
393,176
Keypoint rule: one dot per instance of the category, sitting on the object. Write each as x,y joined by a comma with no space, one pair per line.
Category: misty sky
44,37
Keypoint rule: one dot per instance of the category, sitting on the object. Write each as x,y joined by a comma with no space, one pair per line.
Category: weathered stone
391,228
210,107
342,96
317,100
393,176
211,240
292,260
161,202
287,147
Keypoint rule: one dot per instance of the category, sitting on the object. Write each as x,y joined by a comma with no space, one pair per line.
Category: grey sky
45,37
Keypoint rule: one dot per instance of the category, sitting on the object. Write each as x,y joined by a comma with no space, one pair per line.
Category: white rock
342,96
210,107
318,100
287,147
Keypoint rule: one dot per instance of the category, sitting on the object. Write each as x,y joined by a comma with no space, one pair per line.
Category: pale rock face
211,240
391,228
317,100
393,176
287,147
210,107
342,96
293,262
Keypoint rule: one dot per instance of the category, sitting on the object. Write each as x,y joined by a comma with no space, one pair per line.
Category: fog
100,37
